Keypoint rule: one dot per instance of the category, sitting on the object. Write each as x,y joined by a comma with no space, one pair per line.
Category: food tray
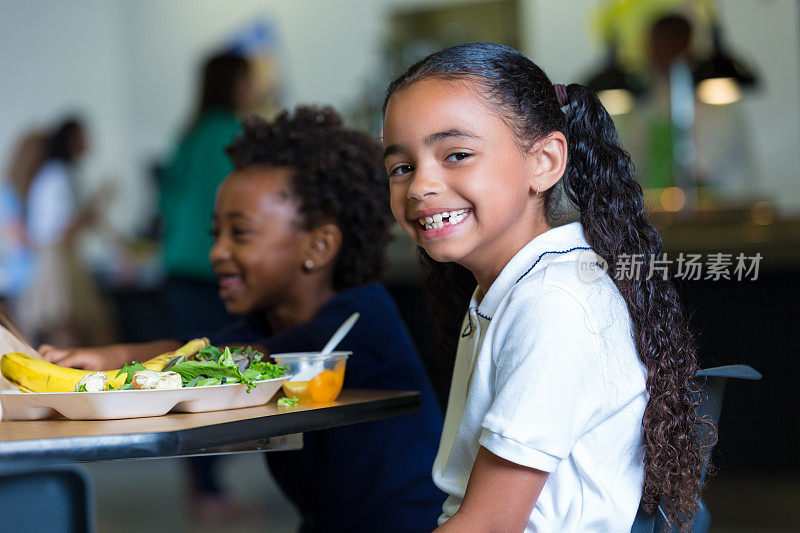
111,405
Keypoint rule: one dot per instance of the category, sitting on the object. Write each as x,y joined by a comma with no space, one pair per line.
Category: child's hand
53,354
102,358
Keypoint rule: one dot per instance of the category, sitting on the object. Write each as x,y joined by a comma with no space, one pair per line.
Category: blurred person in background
668,44
16,261
61,304
188,189
189,182
722,167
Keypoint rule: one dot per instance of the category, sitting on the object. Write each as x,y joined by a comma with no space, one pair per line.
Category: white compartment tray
110,405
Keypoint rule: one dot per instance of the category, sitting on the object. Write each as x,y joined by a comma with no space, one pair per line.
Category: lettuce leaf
288,401
208,353
192,382
226,359
235,364
267,370
130,369
189,370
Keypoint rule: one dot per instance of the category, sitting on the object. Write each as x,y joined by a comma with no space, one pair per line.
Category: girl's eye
402,169
237,232
214,233
458,156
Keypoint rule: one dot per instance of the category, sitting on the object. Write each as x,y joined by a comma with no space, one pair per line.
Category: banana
32,374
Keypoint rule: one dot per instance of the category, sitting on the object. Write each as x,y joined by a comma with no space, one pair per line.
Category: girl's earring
309,264
537,190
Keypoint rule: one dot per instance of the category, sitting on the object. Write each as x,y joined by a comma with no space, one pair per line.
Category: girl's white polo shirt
547,376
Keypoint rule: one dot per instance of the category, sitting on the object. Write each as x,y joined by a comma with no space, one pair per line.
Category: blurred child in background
300,228
16,261
61,304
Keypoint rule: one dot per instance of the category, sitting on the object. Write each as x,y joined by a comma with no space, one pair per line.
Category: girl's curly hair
337,176
600,182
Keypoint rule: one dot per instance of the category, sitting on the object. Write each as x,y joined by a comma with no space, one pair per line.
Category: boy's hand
103,358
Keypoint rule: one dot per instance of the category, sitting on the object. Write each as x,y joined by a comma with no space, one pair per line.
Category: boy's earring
309,264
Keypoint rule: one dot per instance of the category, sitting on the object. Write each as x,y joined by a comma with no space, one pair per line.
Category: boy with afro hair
300,228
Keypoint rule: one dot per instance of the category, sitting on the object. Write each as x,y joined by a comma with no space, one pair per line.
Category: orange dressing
322,388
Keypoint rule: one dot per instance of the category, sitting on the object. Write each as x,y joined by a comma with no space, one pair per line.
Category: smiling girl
572,397
300,228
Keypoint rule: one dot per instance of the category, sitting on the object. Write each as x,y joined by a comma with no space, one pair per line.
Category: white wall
768,34
130,66
61,57
328,50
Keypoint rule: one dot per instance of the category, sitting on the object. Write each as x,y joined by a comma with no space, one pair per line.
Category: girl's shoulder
557,312
575,275
593,298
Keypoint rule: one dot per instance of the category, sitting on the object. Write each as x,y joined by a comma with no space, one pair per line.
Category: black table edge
164,444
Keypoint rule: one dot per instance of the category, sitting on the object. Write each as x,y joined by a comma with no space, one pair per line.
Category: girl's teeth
438,220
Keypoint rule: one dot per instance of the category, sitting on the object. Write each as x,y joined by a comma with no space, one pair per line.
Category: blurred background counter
734,232
753,321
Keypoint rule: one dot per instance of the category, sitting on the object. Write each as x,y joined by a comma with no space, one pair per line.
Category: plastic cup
315,378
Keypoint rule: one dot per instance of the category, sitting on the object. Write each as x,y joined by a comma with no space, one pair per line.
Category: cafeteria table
262,428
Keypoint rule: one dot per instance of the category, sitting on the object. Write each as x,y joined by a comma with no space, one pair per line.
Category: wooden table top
59,440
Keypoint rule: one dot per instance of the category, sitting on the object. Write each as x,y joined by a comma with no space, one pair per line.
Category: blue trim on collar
468,329
550,252
477,312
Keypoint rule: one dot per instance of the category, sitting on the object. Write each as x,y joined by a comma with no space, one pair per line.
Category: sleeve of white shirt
50,206
548,388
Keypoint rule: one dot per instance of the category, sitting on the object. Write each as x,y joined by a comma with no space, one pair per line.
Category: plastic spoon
340,334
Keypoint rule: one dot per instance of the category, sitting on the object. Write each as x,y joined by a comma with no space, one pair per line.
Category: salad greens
128,369
211,366
288,401
217,366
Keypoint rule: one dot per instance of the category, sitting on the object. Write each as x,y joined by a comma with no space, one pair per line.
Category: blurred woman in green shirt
188,187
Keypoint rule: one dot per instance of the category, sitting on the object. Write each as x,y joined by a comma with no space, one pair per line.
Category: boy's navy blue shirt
374,476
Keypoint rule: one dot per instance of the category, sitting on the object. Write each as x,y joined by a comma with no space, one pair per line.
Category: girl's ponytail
601,182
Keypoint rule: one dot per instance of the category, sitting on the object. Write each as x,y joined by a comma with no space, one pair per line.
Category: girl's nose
425,182
219,252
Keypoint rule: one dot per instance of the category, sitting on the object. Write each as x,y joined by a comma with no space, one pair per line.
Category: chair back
714,391
46,499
